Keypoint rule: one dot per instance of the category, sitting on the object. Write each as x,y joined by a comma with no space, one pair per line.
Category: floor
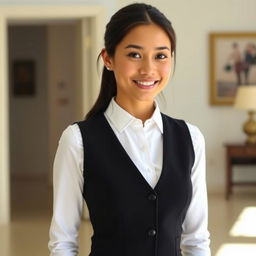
27,234
232,223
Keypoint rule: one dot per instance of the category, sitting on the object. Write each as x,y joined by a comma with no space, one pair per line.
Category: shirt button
152,197
152,232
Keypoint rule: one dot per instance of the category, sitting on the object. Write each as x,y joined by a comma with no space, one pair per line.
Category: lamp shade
246,97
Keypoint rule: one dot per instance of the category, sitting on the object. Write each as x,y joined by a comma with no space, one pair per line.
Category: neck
142,110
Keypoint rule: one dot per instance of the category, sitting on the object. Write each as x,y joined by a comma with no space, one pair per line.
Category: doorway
44,78
59,102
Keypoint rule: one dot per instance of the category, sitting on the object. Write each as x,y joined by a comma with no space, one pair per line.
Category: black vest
128,216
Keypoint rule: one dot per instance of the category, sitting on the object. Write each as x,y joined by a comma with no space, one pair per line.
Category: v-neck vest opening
139,219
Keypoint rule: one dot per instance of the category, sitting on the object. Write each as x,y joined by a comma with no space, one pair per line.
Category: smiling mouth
146,84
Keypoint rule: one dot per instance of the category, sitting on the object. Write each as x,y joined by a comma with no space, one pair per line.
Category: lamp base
250,128
251,140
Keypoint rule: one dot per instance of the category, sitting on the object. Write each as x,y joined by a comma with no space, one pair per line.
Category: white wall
28,114
188,92
109,5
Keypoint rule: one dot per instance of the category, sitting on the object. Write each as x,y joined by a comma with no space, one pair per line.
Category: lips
146,84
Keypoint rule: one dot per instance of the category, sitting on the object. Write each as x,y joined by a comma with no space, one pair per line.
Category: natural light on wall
237,250
246,224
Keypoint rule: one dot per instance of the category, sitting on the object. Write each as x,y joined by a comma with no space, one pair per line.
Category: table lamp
246,99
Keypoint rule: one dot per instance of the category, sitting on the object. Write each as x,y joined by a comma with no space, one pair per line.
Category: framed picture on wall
23,78
232,64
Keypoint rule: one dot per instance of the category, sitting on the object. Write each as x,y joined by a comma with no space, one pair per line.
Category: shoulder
193,130
91,124
71,136
174,121
195,133
196,136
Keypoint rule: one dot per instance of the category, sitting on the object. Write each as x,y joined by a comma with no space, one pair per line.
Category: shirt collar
120,118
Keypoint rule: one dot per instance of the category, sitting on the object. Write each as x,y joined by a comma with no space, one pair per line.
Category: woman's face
141,64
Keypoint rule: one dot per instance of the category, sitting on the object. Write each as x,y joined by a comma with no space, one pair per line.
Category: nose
147,67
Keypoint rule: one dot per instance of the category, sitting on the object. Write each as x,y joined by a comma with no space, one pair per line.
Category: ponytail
107,92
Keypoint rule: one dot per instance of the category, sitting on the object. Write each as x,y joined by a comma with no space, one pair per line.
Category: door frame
36,13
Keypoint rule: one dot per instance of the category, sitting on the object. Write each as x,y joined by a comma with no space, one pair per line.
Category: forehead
148,36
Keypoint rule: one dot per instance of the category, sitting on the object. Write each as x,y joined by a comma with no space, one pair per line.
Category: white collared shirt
144,145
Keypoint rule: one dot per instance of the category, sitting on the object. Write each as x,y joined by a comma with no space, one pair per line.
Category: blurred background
49,49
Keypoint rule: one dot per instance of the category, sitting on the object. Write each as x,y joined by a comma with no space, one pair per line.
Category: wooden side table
238,154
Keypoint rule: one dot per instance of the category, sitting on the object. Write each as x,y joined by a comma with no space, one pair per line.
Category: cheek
125,68
166,69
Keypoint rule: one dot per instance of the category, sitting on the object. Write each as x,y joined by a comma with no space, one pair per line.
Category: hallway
31,213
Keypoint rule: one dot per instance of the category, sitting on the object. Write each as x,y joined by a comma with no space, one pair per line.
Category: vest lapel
166,152
121,149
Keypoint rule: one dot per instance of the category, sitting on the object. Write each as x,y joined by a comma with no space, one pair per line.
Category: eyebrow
141,48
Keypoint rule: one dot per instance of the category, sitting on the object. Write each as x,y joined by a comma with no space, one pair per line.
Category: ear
106,59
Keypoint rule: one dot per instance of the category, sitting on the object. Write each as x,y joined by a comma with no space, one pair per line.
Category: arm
67,196
195,237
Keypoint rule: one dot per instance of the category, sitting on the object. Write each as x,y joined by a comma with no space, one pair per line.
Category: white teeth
145,83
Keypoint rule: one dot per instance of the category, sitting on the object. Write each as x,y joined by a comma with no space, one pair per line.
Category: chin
146,99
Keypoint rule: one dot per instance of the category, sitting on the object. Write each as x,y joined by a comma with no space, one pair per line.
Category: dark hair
119,25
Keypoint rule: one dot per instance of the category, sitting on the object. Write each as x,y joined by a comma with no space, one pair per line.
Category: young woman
141,173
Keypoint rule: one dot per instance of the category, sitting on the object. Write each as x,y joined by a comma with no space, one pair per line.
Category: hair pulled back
119,25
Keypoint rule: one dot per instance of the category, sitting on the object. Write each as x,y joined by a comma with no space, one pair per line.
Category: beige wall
187,93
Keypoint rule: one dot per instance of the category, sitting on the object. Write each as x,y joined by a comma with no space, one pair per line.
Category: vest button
152,232
152,197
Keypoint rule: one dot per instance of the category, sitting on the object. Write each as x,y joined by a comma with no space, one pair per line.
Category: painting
232,64
23,78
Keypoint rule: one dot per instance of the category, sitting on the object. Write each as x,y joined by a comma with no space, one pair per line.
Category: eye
161,56
134,55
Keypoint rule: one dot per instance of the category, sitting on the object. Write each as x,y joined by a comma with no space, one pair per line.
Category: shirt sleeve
195,236
67,194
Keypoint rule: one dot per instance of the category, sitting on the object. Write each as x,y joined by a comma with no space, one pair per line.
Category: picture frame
24,78
232,62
